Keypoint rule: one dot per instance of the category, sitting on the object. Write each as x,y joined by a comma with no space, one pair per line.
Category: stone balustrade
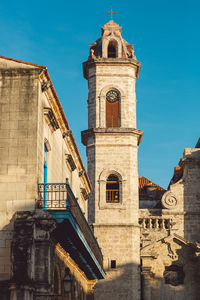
155,223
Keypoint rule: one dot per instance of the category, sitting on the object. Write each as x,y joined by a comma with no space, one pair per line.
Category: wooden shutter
112,114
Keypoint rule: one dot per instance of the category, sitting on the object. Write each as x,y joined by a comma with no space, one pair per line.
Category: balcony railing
59,196
155,223
53,195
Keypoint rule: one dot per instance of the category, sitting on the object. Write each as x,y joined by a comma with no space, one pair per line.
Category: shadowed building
47,248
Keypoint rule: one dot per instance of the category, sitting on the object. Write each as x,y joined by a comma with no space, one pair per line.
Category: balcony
53,195
73,231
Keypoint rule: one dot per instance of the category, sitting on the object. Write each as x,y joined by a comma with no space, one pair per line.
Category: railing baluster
155,223
54,196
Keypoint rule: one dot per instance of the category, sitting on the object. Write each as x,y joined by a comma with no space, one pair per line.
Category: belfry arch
112,50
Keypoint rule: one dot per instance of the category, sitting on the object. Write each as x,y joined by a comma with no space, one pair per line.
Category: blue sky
165,35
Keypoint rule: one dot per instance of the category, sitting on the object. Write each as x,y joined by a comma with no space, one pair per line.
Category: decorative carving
70,161
46,85
67,133
44,221
168,200
174,275
50,118
29,227
171,250
92,53
84,193
81,173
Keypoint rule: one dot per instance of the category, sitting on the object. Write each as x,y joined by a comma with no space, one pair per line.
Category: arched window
112,49
112,189
112,108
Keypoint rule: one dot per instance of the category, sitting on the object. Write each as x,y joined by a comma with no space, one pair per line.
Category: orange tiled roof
144,181
146,193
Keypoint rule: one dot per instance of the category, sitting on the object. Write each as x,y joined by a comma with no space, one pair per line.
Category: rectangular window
113,264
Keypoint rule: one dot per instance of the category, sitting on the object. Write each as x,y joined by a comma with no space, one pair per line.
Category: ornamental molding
70,161
50,119
169,200
86,134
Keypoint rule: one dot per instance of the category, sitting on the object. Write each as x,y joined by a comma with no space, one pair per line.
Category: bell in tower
112,141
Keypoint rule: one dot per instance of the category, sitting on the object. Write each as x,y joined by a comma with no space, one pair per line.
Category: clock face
112,96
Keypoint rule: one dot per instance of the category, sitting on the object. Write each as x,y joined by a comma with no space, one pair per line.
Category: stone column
31,260
22,260
146,283
21,292
44,225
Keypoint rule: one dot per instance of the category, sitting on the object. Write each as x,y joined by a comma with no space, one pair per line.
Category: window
112,49
112,108
113,264
112,189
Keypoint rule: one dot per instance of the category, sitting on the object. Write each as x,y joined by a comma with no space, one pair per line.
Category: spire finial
111,12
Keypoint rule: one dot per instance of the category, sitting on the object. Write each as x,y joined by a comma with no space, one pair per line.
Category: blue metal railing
53,195
59,196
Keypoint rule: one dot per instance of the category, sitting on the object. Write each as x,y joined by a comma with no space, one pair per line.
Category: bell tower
112,142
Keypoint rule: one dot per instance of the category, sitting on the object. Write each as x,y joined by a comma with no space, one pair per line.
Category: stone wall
171,252
183,197
27,122
170,269
114,151
18,149
119,244
102,78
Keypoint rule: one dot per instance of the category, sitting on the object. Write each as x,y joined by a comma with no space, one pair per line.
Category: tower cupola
111,44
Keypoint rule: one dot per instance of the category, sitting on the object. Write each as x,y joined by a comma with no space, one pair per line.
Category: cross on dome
111,12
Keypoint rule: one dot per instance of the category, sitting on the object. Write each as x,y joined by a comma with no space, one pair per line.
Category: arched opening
112,49
112,109
112,189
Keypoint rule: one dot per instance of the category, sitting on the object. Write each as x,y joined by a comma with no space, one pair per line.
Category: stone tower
112,144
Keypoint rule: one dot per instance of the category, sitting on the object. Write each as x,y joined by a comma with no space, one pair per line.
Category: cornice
15,72
110,62
108,131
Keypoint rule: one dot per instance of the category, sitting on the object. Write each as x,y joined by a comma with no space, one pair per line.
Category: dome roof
111,34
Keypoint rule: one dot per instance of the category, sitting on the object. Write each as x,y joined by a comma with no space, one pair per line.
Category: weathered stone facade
149,237
113,151
45,240
149,240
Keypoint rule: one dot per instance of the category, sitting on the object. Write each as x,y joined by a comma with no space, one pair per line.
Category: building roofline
198,144
44,68
145,181
23,62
